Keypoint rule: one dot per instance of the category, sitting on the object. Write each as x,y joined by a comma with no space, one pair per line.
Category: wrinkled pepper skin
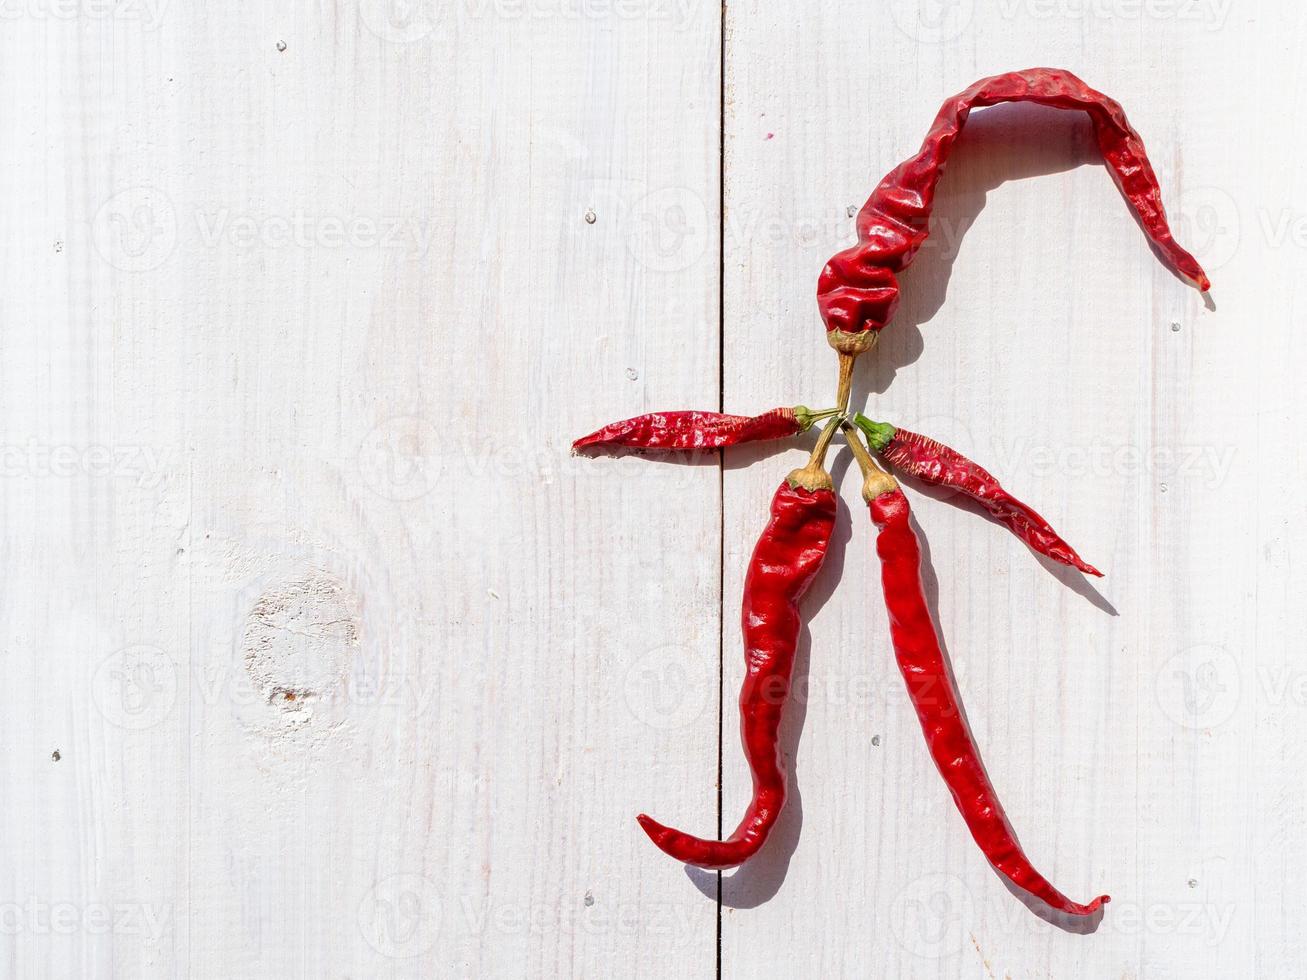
857,293
787,558
693,430
937,464
943,723
858,290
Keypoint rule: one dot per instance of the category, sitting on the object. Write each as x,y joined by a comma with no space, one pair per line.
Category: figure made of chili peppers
857,293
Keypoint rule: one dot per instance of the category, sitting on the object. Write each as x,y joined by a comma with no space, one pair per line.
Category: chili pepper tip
712,855
1070,907
692,430
1084,910
652,827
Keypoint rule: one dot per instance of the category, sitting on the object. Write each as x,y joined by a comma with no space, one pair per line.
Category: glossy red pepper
700,430
784,563
858,291
933,695
935,463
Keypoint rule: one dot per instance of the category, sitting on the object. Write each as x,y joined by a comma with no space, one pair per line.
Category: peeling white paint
299,641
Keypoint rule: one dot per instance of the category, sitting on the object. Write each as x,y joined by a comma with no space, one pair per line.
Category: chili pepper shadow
1079,924
685,457
999,144
761,877
1072,578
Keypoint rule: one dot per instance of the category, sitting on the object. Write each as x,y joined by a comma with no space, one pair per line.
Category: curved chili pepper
784,563
935,463
857,294
700,430
930,686
858,291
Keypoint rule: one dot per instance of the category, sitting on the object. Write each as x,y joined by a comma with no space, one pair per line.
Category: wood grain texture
351,669
1127,724
325,658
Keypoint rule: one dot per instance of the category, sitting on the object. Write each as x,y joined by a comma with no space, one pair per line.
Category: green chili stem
806,417
879,434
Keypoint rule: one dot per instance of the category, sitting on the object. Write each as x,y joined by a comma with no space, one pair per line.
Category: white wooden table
324,658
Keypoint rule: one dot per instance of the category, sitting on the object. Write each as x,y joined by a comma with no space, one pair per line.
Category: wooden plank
1129,725
361,674
325,658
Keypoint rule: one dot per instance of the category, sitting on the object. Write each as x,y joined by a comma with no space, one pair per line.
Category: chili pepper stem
846,381
852,342
813,476
879,434
875,481
806,417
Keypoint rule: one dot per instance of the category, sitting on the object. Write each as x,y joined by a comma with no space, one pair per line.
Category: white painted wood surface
324,657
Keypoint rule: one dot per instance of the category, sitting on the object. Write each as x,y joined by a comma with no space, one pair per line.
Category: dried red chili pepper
785,561
858,292
930,686
701,430
935,463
